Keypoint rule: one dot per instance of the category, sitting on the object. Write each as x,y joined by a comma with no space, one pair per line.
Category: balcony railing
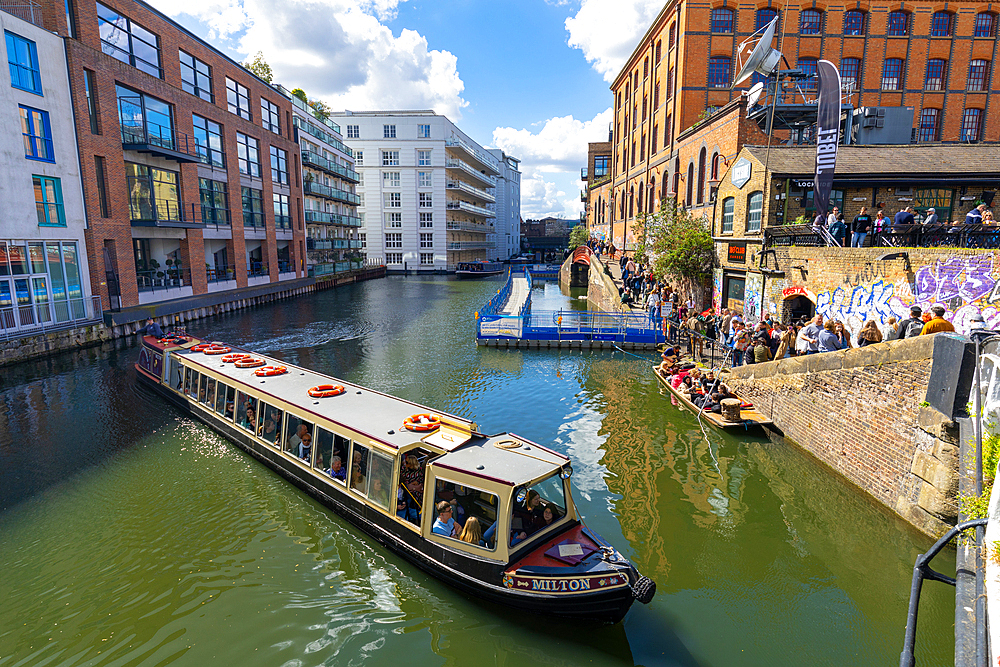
16,321
482,157
319,244
463,226
458,205
158,280
307,109
220,273
583,173
285,266
257,269
318,190
26,10
142,135
322,217
309,128
475,192
166,213
471,245
453,163
897,236
319,162
583,196
282,222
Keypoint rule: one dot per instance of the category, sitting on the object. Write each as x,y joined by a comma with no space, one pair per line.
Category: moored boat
750,417
404,473
479,269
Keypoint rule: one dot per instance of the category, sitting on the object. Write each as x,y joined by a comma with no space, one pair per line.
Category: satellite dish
760,57
755,92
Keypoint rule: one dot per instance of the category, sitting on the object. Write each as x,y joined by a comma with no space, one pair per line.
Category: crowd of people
855,231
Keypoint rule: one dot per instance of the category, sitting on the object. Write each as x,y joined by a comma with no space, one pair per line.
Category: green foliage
679,244
801,220
301,94
578,236
321,108
260,67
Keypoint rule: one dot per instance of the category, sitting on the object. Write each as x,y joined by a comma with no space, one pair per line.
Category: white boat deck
520,289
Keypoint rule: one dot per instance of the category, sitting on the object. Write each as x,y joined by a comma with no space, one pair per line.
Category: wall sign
793,291
741,172
805,185
738,253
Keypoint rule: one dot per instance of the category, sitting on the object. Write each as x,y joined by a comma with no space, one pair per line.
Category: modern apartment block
44,275
189,165
428,191
508,207
333,243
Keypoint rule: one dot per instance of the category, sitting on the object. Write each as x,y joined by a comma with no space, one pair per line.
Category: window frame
897,31
32,139
12,41
156,186
194,86
424,158
939,82
44,207
243,150
353,131
981,81
932,132
727,216
279,165
389,159
991,29
722,18
936,28
255,211
393,258
393,200
425,200
815,22
898,65
394,240
209,198
423,131
755,205
270,116
855,31
130,28
388,131
856,69
238,99
282,210
716,77
212,156
965,126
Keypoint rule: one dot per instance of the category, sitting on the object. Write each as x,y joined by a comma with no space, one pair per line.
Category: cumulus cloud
607,31
336,50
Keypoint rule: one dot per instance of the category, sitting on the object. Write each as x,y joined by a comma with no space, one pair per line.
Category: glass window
359,158
154,194
811,22
214,202
380,479
929,128
423,158
298,437
423,131
892,74
388,131
144,119
764,16
270,116
985,25
248,152
90,91
359,468
979,75
390,158
602,165
22,57
808,67
393,240
279,165
934,79
425,200
196,77
722,20
898,24
473,510
718,72
49,201
225,401
424,179
393,258
246,411
393,200
427,240
206,394
755,206
352,132
728,207
329,460
427,258
282,216
854,22
37,134
393,219
972,125
529,518
238,99
190,382
850,73
269,424
208,141
941,24
427,220
253,207
390,179
128,41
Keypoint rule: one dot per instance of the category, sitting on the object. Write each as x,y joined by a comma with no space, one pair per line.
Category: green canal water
132,535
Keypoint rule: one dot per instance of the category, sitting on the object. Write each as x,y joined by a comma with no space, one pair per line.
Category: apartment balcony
139,134
317,190
26,10
282,222
463,226
165,213
309,128
583,196
583,173
319,162
482,195
465,168
471,245
458,205
479,158
332,244
324,218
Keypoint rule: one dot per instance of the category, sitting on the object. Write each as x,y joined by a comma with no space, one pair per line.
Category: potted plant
153,266
179,277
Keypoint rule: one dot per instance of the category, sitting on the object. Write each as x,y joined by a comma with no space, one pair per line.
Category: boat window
246,407
207,390
411,486
543,506
380,473
220,399
190,381
269,424
179,386
359,468
473,510
298,437
328,460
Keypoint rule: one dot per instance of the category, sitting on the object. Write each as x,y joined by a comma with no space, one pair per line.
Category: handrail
25,320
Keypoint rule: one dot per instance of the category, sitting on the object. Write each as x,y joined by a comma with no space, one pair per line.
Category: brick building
932,57
189,163
597,178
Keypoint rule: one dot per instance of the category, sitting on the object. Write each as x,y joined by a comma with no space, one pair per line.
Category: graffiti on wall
753,296
717,291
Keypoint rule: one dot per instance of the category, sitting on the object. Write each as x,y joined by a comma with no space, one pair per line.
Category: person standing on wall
862,223
937,323
838,230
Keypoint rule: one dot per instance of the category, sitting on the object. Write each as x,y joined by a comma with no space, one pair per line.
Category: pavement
616,276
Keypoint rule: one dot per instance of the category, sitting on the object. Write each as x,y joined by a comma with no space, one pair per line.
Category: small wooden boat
749,416
479,269
387,464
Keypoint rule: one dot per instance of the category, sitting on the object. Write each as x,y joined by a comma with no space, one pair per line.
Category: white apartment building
44,276
333,242
508,207
428,191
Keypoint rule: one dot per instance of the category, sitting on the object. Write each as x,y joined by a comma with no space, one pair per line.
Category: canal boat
480,269
402,473
749,416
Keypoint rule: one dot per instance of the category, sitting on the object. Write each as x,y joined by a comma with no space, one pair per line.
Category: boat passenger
357,478
412,475
404,506
305,447
379,493
230,406
295,442
445,524
473,532
337,469
268,431
549,516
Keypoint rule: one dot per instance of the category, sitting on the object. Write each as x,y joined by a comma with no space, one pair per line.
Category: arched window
979,75
941,24
701,176
672,38
930,127
854,23
898,24
690,184
652,196
677,179
715,166
892,74
718,71
728,207
764,16
808,67
599,211
663,190
645,67
631,202
658,44
935,75
722,20
811,22
642,197
755,207
986,25
972,125
850,73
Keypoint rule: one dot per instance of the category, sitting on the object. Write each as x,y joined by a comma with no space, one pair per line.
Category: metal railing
482,157
257,269
319,190
157,280
454,163
220,273
459,205
474,191
329,166
322,217
27,319
282,222
139,131
471,245
898,236
463,226
309,128
26,10
285,266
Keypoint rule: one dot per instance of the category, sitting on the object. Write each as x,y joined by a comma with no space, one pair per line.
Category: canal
131,535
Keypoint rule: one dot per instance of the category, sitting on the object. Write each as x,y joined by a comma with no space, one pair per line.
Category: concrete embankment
882,416
602,293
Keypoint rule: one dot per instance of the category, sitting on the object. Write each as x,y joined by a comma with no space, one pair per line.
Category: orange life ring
230,358
201,347
424,422
326,390
249,362
267,371
217,349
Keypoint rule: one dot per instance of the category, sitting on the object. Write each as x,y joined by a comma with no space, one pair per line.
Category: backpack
913,328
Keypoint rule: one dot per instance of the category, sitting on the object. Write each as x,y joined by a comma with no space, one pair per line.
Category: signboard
741,172
560,585
827,133
737,253
500,327
805,185
798,290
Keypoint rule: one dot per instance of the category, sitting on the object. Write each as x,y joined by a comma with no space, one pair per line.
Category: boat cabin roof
503,458
365,411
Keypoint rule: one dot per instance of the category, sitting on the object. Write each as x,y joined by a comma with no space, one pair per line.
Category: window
269,422
850,73
49,202
972,124
423,131
765,16
102,186
892,74
128,41
196,77
426,258
394,220
270,116
929,125
208,141
144,119
393,258
214,202
225,401
393,200
279,165
426,200
423,158
657,57
642,147
728,206
701,176
670,83
37,134
718,72
390,179
282,216
389,159
248,152
654,136
645,68
755,206
154,194
985,25
979,74
90,91
394,240
934,79
352,132
854,22
23,60
426,220
238,98
644,108
656,96
722,20
424,179
898,24
941,24
808,66
253,207
388,131
364,239
359,158
427,240
811,22
672,36
602,164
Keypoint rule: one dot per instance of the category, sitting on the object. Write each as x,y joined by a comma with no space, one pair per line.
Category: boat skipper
151,329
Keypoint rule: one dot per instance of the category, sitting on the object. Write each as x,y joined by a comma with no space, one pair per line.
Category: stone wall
882,416
602,293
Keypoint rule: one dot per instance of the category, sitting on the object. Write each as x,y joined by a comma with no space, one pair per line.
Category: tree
680,245
260,67
301,94
578,236
321,108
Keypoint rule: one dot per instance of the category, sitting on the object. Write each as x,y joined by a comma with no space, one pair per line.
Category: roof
924,160
517,461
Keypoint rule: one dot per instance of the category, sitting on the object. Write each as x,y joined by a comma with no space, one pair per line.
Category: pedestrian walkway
616,277
519,291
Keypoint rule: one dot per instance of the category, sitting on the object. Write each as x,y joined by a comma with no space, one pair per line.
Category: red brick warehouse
185,156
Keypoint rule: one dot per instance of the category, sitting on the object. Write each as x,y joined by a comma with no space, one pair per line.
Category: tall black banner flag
827,133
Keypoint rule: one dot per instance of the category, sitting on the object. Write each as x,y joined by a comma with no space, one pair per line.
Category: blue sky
528,76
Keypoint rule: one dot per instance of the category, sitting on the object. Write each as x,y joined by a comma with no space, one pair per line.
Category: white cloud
607,31
336,50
